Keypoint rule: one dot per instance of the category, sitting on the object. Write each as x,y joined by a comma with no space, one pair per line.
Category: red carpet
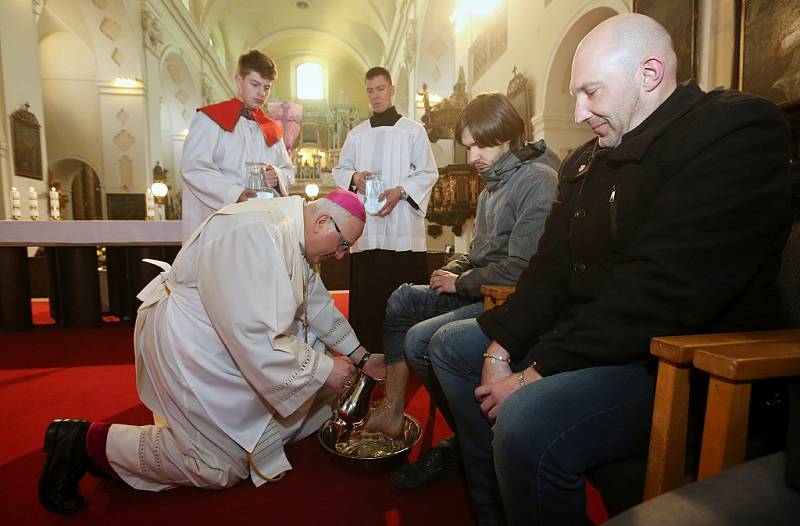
51,372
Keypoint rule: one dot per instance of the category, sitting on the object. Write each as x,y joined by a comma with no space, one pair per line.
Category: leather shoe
438,463
64,466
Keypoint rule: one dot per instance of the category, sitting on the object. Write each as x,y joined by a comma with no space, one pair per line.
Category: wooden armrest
498,292
744,362
732,369
680,349
665,461
494,295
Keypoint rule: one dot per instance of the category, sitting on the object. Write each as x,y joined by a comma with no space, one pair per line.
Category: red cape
227,113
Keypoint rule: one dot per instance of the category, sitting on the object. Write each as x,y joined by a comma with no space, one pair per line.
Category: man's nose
582,114
472,155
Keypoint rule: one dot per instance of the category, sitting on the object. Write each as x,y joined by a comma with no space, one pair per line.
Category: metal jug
353,403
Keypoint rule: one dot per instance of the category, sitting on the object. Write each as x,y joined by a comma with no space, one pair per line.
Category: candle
33,204
55,207
16,205
150,204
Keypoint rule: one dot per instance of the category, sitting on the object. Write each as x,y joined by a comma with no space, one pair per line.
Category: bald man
670,221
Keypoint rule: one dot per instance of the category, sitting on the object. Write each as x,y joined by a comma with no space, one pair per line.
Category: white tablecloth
76,233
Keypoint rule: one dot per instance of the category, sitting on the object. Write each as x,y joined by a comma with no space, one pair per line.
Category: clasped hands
498,381
443,281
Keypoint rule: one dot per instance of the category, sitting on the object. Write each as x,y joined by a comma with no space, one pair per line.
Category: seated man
520,186
671,221
226,356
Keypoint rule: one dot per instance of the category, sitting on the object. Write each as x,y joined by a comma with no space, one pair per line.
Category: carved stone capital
151,30
206,90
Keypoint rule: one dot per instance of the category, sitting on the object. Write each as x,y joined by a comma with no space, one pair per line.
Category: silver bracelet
521,378
498,358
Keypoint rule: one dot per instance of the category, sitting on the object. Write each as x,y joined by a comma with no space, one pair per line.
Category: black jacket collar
636,142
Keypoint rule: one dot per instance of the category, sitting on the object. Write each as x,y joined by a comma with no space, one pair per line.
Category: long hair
492,120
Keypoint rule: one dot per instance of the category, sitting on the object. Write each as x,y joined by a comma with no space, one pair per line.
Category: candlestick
33,204
55,207
150,204
16,205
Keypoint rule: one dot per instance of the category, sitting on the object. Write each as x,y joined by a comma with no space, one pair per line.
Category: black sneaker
438,463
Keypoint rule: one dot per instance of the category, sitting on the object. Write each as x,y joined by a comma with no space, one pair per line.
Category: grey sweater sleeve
533,196
458,265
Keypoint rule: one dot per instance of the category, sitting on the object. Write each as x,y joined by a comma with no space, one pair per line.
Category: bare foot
385,419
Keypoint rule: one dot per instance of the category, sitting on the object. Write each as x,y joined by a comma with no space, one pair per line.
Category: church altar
88,233
72,266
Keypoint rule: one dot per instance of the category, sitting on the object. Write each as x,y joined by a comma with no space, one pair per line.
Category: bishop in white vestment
230,355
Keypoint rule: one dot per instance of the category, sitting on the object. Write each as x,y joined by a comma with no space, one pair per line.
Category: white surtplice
213,166
402,154
221,352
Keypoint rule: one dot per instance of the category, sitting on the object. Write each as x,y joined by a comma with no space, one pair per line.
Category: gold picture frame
26,141
519,94
679,18
769,49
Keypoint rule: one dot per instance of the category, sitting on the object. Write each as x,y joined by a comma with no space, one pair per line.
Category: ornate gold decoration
440,119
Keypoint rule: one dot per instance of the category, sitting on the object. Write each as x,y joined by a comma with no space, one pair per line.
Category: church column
153,36
177,151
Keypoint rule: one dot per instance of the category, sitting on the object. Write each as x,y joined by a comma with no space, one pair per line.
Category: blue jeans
413,314
529,468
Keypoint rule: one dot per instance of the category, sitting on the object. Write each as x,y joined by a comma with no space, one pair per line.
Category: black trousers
374,275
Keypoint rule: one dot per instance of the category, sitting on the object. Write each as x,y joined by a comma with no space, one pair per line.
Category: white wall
69,87
21,83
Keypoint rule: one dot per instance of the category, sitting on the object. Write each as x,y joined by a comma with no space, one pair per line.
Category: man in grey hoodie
521,180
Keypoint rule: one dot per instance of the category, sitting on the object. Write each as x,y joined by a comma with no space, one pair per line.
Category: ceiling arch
322,43
356,35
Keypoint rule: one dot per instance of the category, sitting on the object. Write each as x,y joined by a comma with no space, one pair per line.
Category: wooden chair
756,491
494,295
733,368
666,459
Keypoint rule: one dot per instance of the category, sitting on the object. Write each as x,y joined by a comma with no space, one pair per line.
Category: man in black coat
670,222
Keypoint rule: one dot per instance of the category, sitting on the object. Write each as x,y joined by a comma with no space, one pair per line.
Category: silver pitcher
353,403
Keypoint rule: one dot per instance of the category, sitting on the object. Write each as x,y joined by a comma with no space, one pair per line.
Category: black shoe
439,463
64,466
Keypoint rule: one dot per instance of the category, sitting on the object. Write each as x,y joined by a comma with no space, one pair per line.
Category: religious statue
426,99
441,118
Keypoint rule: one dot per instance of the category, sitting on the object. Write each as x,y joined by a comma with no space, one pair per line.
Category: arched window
310,81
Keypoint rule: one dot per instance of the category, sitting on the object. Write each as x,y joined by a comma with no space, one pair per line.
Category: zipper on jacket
612,212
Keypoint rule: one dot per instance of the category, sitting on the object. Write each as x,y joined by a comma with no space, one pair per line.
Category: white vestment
221,353
402,153
213,166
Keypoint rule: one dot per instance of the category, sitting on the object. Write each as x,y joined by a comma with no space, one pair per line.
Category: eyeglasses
343,244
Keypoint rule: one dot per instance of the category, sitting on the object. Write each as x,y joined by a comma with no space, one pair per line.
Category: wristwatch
363,361
403,194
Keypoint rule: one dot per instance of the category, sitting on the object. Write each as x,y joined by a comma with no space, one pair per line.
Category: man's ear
320,221
652,73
